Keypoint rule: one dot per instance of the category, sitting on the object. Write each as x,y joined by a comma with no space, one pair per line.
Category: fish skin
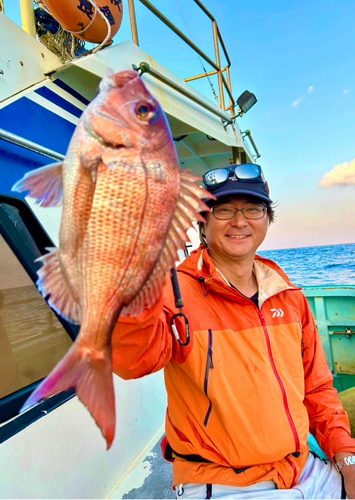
126,205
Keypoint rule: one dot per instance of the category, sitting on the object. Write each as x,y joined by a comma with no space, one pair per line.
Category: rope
59,42
108,36
203,68
1,6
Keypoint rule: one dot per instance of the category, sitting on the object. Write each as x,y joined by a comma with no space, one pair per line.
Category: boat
54,450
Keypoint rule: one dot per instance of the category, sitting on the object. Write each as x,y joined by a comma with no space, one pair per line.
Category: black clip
179,304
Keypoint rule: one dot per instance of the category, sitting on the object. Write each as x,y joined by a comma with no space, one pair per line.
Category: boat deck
151,478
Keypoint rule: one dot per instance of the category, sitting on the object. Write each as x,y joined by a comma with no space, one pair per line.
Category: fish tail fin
89,372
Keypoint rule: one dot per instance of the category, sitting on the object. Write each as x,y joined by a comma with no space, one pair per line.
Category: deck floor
152,478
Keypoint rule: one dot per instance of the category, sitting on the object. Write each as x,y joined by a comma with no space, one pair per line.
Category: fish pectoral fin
45,184
89,372
149,293
189,204
51,282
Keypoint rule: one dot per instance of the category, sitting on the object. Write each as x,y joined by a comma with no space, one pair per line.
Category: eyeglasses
248,172
227,213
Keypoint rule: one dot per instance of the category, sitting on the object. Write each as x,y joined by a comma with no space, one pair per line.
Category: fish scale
119,224
126,208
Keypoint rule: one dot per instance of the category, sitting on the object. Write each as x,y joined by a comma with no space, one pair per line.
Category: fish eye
144,111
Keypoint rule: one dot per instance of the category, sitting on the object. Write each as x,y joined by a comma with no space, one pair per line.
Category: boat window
32,340
32,337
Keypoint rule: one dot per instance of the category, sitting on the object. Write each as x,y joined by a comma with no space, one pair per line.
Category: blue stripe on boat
31,121
71,91
59,101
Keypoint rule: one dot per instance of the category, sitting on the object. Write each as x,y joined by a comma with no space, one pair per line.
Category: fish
126,207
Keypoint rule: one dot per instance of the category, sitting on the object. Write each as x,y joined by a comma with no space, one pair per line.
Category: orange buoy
84,18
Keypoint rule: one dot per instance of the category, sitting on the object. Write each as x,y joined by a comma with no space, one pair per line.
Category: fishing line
199,57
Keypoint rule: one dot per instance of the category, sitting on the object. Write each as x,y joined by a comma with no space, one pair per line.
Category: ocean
316,266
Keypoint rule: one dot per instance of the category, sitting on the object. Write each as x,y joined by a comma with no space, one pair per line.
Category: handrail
213,19
223,84
247,133
144,67
176,30
210,73
32,146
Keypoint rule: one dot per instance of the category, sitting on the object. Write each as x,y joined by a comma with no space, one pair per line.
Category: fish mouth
104,142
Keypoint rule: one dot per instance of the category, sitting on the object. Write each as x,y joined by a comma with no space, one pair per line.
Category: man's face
237,238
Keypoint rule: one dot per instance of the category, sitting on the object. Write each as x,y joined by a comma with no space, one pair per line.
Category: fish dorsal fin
51,282
188,206
45,184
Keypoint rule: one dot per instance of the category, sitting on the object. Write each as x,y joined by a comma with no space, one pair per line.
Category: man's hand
348,473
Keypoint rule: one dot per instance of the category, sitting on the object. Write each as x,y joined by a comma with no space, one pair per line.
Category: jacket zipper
209,365
282,387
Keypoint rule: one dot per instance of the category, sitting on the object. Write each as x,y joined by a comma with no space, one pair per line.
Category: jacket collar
270,277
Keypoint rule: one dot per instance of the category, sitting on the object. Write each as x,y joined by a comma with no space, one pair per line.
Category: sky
298,58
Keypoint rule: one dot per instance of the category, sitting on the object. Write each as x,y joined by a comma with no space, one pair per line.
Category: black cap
235,187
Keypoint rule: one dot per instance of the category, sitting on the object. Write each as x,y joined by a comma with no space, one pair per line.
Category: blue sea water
316,266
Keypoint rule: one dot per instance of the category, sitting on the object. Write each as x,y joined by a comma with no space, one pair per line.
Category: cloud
297,102
340,175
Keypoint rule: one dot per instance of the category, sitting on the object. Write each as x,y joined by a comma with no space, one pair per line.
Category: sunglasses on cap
248,172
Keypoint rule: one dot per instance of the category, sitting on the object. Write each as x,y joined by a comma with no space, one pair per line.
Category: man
245,392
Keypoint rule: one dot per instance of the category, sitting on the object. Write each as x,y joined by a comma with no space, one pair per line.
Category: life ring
88,20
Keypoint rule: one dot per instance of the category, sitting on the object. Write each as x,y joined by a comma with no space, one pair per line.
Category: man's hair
270,211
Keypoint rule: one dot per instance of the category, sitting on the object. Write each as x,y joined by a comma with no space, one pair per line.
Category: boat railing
247,133
144,67
31,146
223,83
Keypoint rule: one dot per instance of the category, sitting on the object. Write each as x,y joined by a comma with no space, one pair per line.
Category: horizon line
310,246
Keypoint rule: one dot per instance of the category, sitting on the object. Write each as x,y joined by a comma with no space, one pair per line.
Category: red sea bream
126,208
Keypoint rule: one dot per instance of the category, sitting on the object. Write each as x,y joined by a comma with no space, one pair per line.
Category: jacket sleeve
144,344
329,423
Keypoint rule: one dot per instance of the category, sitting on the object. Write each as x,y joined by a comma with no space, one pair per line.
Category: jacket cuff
342,443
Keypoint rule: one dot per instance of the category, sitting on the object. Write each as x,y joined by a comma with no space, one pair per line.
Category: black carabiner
175,330
179,304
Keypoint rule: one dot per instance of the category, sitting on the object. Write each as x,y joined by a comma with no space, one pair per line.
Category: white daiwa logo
277,313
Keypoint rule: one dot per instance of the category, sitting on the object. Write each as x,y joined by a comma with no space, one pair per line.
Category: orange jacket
251,383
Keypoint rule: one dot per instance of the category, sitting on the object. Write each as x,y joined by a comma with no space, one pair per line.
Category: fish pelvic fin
188,208
45,184
89,372
52,283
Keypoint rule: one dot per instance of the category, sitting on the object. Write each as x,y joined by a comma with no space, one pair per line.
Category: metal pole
145,68
183,37
200,4
28,17
132,16
187,40
218,61
248,133
32,146
229,81
211,73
